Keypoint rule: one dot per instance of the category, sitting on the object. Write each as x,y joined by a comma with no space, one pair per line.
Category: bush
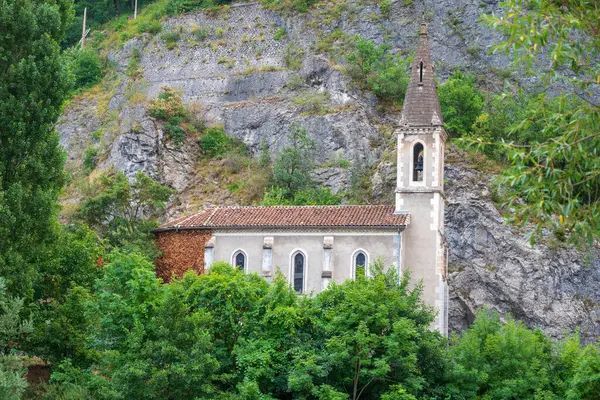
149,26
85,66
200,33
215,143
379,71
133,66
461,103
312,103
320,196
293,56
170,38
279,34
293,166
181,6
90,158
296,5
169,108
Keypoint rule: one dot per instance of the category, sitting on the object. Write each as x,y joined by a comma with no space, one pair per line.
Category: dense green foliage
12,329
85,297
320,196
227,334
169,108
85,66
461,103
291,171
378,70
33,86
124,212
98,12
216,144
558,176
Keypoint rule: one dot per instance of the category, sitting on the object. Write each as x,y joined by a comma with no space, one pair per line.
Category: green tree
12,328
461,103
85,65
501,361
371,338
33,86
292,168
559,177
125,213
320,196
378,70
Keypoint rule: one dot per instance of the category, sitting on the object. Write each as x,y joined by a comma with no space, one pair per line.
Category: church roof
421,103
371,216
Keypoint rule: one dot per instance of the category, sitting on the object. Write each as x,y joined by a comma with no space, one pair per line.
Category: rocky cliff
256,72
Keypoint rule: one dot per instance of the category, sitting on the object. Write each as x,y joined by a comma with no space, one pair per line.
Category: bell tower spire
420,181
421,103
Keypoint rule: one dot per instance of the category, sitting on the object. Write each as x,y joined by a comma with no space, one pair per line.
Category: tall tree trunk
116,4
356,375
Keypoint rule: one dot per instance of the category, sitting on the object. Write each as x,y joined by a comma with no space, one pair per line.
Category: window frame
412,182
233,260
353,262
292,268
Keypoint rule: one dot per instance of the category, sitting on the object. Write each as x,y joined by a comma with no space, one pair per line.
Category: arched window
421,72
360,264
239,260
418,156
298,267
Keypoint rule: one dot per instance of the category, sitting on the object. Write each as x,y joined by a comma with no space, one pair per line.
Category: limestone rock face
256,87
491,264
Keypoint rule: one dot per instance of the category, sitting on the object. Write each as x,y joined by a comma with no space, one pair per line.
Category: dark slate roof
291,216
421,103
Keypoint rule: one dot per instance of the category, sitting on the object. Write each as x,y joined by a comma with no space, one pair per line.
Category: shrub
85,66
200,33
90,158
385,8
215,143
311,103
167,105
133,66
320,196
296,5
293,166
181,6
149,26
293,56
279,34
374,68
170,38
461,103
169,108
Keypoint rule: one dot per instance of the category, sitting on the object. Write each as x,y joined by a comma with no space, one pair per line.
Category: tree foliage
227,334
558,177
33,86
125,212
461,103
291,171
12,329
85,66
375,68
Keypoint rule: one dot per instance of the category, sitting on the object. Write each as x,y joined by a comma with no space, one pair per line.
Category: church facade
314,245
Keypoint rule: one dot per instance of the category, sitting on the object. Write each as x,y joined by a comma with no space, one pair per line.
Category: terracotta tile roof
291,216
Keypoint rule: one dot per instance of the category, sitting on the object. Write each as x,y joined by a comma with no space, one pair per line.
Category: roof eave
263,227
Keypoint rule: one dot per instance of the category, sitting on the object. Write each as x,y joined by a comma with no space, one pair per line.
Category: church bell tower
420,182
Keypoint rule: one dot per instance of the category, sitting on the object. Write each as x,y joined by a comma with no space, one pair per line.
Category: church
314,245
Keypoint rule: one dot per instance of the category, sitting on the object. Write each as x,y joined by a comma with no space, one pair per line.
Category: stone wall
182,250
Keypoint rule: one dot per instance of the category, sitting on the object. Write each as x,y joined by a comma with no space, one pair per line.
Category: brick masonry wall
181,251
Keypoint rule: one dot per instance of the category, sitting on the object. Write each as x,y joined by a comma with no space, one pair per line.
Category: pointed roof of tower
421,103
